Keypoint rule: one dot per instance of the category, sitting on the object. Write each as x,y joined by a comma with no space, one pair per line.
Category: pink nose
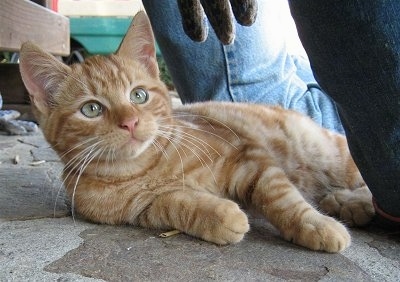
129,124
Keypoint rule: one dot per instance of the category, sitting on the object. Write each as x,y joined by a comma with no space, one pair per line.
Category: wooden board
103,8
22,20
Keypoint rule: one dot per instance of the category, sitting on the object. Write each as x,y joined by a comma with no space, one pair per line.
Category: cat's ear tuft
41,73
139,44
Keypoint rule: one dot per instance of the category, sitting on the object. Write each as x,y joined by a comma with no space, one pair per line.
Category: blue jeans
353,48
256,68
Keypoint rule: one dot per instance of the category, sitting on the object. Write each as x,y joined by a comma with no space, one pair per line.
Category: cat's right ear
41,73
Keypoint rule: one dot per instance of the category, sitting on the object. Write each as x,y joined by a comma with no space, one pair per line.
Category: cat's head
114,101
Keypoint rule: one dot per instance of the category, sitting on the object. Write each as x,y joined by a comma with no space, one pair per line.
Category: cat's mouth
137,135
134,141
135,144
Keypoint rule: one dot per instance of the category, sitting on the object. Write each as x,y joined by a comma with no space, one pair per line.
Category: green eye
139,96
91,109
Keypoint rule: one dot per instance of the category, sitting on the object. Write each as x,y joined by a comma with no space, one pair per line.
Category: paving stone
26,247
44,153
127,253
6,145
35,246
36,140
31,192
384,243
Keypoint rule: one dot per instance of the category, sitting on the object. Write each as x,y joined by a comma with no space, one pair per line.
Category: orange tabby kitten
130,158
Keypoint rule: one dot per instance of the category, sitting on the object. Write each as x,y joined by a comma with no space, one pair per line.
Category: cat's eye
91,109
139,96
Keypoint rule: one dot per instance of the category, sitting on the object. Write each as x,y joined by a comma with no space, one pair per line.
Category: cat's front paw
227,225
320,232
354,207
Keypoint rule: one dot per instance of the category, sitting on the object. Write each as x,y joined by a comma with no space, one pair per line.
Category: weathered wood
22,20
103,8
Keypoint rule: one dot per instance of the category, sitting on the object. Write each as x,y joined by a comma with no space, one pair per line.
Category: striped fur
196,167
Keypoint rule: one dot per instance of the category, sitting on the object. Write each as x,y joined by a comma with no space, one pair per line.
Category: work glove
219,14
11,125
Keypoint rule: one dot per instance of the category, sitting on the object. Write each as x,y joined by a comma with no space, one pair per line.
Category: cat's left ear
139,43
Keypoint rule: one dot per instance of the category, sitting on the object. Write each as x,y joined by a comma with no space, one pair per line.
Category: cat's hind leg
199,214
354,207
284,206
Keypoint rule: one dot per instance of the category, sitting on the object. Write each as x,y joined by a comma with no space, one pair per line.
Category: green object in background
100,35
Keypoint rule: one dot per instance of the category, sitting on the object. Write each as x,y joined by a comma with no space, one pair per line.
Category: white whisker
111,157
99,156
160,148
72,165
168,138
78,145
192,150
182,143
187,136
75,159
208,132
93,153
207,119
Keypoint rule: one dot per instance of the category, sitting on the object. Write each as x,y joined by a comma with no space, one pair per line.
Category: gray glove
10,124
219,14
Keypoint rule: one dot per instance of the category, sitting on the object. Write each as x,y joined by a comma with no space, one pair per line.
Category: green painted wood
100,35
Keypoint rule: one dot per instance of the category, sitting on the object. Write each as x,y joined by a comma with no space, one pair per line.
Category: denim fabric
256,68
354,50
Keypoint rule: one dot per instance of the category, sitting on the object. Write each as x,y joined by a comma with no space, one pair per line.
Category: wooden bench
20,21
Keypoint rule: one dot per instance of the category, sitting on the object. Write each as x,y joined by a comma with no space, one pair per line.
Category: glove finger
9,114
28,125
193,19
221,19
245,11
13,128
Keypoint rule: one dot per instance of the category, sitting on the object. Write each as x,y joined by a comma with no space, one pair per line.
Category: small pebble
16,159
37,163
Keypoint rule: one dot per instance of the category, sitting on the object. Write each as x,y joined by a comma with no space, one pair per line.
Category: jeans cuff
383,214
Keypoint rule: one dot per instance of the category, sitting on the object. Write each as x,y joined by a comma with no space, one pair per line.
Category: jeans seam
228,70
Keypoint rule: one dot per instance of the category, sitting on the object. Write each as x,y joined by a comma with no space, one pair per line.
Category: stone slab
36,246
135,254
28,189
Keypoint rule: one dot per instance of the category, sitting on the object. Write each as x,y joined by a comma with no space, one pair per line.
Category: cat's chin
134,148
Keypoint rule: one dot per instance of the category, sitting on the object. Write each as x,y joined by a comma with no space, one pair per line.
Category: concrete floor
39,240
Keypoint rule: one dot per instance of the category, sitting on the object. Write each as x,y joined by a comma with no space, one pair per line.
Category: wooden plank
22,20
100,8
